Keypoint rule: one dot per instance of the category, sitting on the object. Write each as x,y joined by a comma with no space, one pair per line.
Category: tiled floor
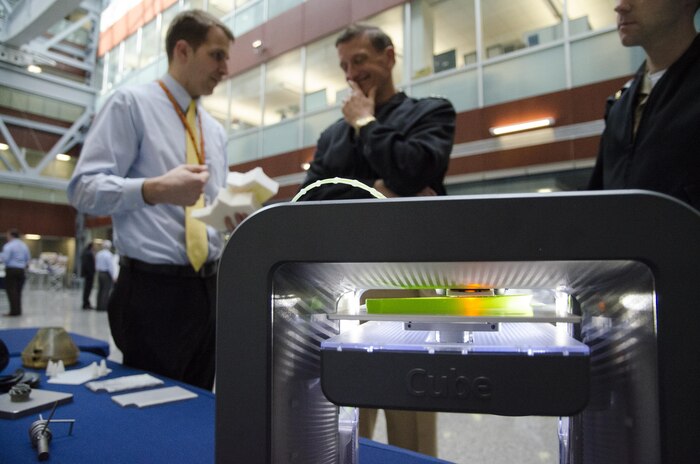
462,438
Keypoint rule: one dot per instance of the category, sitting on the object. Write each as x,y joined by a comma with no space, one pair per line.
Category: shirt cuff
133,198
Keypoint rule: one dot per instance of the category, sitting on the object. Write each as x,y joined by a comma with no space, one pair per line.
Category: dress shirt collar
181,96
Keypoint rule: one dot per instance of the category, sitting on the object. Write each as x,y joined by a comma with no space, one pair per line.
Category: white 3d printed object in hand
244,194
254,181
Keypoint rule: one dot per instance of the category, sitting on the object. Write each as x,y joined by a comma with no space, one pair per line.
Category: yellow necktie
195,230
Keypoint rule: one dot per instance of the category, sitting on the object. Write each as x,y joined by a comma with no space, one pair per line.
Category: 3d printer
606,341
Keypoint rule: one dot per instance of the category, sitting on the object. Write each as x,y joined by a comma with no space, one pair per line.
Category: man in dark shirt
652,138
398,145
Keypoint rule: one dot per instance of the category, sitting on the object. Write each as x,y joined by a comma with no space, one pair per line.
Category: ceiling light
305,166
522,126
63,157
4,146
257,43
32,68
545,190
32,236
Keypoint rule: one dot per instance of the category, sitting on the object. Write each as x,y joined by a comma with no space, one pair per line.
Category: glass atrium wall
475,52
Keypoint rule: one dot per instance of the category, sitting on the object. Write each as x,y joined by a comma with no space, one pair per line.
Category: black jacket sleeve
416,154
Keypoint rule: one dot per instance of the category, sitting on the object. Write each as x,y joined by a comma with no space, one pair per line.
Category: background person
87,272
106,274
15,255
151,154
651,139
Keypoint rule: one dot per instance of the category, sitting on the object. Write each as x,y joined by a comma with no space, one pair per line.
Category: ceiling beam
66,141
47,86
14,148
32,18
51,183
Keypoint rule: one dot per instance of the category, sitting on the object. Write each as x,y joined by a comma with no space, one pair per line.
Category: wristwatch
362,122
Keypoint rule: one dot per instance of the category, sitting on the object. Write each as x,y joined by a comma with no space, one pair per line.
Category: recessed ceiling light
63,157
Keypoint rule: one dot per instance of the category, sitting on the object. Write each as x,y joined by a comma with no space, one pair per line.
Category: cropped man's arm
409,160
99,185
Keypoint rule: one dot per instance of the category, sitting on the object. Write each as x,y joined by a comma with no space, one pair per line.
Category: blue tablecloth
17,339
104,432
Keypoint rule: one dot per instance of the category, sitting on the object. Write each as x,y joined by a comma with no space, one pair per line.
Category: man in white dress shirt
106,274
134,166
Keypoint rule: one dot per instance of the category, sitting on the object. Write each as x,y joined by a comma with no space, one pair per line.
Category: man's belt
173,270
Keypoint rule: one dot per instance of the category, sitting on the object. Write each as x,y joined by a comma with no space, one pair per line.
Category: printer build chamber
618,358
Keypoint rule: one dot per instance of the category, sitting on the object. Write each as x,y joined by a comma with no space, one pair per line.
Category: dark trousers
165,324
104,288
87,288
14,282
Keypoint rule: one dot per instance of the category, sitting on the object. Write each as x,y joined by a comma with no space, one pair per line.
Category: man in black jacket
652,135
398,145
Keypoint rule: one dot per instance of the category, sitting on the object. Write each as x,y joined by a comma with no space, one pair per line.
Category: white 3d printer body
615,355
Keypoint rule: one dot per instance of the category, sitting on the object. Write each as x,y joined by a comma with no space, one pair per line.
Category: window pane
586,15
503,81
391,22
602,57
247,18
150,44
217,103
245,100
509,26
166,18
281,137
113,75
275,7
131,54
194,4
442,35
282,87
220,8
243,148
460,88
324,79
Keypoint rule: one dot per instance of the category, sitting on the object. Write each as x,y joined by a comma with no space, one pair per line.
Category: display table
17,339
104,432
